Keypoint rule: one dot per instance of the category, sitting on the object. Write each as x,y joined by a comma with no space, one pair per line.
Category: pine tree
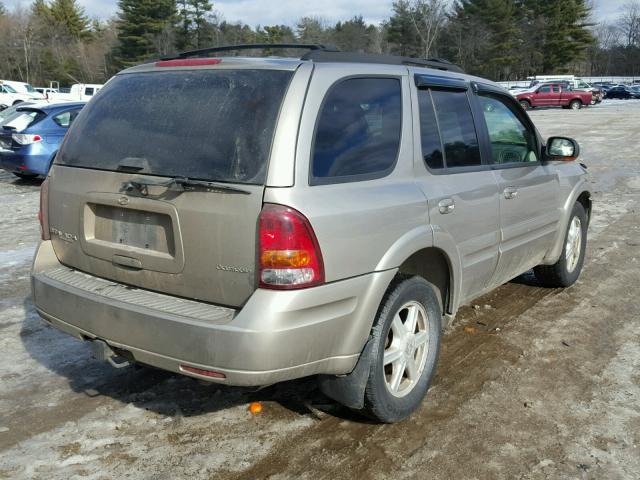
401,32
492,26
565,34
142,25
193,29
354,35
71,16
310,30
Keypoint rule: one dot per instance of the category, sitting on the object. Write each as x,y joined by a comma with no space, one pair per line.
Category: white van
10,96
24,88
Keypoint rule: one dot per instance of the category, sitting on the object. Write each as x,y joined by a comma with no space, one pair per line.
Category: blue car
30,137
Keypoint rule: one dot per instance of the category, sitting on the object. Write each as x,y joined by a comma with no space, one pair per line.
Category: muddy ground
545,385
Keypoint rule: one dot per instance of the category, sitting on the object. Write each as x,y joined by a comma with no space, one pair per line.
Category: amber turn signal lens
285,258
255,407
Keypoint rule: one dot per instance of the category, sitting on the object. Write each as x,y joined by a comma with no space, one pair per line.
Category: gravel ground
545,385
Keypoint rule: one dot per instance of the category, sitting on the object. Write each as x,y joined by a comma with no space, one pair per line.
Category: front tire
575,105
566,270
525,104
406,342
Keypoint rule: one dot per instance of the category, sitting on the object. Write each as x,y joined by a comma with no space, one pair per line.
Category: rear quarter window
358,131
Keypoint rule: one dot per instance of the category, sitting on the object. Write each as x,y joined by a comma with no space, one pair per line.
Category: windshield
9,88
202,124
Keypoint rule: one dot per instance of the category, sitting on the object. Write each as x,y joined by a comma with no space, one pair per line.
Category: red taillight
43,214
26,138
188,62
200,371
288,251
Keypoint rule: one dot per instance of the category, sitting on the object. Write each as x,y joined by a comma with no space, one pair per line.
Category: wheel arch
580,194
431,256
434,266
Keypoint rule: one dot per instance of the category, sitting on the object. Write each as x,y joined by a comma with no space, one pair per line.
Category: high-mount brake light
188,62
43,214
288,252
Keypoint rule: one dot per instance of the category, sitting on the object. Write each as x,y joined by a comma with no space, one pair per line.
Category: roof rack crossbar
252,46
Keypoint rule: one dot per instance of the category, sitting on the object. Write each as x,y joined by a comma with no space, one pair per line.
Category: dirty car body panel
169,273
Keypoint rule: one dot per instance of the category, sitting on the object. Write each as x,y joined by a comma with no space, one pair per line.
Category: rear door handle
446,205
510,193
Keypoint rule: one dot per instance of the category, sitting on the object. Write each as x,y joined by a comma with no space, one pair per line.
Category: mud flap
349,389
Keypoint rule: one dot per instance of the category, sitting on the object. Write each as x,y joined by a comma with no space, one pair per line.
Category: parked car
9,96
623,92
596,94
31,137
285,217
576,83
78,92
47,91
11,110
554,95
24,88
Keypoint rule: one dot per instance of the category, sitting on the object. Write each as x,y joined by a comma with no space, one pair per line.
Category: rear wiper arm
179,184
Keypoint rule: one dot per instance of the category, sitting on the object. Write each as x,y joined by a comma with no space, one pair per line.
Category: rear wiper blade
179,184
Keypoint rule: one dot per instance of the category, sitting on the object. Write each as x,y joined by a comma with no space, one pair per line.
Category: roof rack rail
326,53
337,56
252,46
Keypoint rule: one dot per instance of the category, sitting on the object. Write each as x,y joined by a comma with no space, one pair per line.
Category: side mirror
561,149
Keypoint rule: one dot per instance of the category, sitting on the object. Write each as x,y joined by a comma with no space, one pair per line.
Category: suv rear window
202,124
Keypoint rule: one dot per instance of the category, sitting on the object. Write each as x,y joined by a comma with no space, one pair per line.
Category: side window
457,129
545,89
65,119
358,132
556,88
88,91
511,140
430,138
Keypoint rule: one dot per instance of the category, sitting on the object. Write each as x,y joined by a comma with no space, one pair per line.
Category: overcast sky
270,12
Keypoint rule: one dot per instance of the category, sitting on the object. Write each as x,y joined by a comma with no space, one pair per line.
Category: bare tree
428,17
629,23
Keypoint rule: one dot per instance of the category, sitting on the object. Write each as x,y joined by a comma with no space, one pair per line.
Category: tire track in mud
467,361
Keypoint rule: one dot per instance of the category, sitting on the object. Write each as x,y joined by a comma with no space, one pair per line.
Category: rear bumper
18,162
276,336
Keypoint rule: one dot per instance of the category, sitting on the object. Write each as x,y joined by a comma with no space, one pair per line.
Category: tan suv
253,220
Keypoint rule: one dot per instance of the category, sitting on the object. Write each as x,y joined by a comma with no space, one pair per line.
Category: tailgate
195,244
213,126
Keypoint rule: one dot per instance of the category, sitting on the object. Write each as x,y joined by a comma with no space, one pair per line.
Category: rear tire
566,270
405,346
25,176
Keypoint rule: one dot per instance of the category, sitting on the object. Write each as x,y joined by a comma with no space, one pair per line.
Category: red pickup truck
554,95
